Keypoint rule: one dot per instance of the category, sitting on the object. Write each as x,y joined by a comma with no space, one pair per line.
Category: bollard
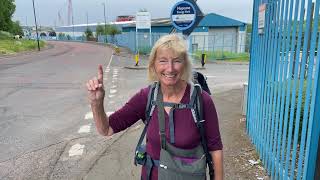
137,59
203,59
117,50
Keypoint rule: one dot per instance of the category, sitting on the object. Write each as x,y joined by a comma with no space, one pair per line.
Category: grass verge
11,46
223,56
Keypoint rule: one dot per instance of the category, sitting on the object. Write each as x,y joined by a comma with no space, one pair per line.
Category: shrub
5,35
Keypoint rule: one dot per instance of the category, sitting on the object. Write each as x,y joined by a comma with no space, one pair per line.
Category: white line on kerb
76,150
89,115
85,129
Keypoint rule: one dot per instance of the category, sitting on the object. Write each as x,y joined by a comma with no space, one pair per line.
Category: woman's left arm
217,157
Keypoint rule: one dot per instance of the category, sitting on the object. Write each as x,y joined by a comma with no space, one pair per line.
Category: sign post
185,16
143,21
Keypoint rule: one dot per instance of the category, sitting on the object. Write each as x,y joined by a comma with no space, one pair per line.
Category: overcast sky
47,10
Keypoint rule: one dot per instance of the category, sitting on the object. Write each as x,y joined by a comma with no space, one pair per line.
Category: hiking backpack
169,168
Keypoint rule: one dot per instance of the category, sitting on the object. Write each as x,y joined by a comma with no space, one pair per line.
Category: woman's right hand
95,88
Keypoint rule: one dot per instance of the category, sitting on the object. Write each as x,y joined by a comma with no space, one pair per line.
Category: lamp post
105,21
73,27
35,21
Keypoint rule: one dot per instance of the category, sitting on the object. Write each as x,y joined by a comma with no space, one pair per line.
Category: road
46,128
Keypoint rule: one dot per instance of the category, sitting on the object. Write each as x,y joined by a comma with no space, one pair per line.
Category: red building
124,18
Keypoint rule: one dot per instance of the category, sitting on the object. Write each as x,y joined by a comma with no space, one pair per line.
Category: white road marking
211,76
115,75
85,129
89,115
109,113
112,91
113,86
111,96
110,61
76,150
111,102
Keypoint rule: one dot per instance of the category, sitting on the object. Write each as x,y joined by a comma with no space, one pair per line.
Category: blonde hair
179,47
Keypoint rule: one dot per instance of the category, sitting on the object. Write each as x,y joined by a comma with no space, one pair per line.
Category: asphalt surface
46,129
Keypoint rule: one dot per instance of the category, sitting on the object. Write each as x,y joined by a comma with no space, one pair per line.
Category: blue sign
183,15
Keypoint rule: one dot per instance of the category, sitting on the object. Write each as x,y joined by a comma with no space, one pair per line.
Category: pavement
104,157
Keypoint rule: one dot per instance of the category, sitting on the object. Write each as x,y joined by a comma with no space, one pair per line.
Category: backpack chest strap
160,104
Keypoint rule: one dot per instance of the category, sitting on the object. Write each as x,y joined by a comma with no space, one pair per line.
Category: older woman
169,64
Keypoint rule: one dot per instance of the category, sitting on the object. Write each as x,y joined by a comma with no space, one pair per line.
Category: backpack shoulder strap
200,124
152,97
149,110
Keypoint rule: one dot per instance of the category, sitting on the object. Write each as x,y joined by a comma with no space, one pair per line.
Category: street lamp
105,20
35,21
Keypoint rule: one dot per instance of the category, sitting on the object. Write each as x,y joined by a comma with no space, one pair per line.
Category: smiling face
168,66
169,62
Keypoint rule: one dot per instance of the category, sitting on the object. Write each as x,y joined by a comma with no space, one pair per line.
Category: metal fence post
313,167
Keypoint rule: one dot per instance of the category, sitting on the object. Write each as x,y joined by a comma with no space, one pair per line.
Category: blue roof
215,20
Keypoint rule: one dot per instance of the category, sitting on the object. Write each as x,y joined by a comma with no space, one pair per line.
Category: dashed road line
112,91
89,115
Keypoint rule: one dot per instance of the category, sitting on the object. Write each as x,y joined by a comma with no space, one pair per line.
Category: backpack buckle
180,106
153,103
200,122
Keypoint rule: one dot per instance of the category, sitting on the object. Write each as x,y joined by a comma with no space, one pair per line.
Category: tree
112,31
88,33
61,36
100,30
16,28
43,34
7,8
52,34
